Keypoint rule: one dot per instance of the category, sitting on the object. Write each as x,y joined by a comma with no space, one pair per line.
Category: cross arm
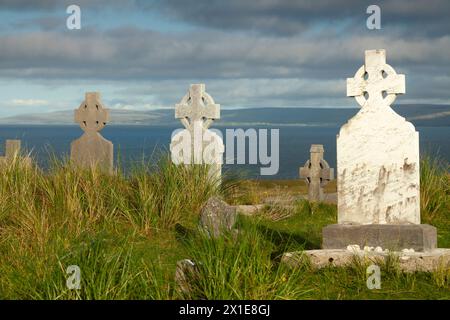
182,110
304,172
396,84
355,87
327,173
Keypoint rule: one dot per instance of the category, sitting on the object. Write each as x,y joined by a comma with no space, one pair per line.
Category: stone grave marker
91,149
186,275
217,217
196,144
317,173
378,168
12,150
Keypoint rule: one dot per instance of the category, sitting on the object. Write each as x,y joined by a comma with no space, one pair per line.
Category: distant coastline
419,114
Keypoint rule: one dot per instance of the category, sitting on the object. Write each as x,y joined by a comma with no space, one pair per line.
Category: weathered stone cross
12,150
197,144
378,168
376,83
91,149
91,115
317,173
197,105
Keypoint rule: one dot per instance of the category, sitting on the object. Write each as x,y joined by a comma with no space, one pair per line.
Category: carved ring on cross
388,98
375,83
323,165
91,115
197,105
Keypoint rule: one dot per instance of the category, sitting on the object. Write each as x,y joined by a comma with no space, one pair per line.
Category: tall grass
49,218
165,194
240,266
434,188
120,230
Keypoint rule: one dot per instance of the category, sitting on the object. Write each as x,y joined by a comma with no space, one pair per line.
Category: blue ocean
134,144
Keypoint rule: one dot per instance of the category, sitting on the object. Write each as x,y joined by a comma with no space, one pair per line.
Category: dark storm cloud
130,53
276,17
250,53
28,4
48,5
287,17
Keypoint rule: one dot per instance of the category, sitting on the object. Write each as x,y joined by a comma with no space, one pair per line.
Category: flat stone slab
437,259
420,237
249,209
330,198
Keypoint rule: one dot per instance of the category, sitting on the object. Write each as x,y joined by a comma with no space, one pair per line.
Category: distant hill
420,114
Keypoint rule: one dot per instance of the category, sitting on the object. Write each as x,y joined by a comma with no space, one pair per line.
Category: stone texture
196,144
91,149
217,217
393,237
377,151
317,173
249,209
186,274
435,260
12,150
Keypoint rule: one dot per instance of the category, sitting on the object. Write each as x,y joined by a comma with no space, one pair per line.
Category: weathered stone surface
317,173
437,259
393,237
377,151
186,274
12,150
91,149
197,144
217,217
249,209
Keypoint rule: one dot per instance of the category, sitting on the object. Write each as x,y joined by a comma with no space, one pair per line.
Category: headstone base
431,261
420,237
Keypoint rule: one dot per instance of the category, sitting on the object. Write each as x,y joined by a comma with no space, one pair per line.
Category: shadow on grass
285,241
183,234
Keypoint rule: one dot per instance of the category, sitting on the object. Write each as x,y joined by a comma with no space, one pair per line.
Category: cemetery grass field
126,234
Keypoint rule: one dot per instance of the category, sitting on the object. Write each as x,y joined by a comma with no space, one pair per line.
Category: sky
143,55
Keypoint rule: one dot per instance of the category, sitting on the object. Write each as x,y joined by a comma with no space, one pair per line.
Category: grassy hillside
126,234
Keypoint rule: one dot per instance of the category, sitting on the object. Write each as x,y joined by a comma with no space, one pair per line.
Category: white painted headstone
197,144
377,151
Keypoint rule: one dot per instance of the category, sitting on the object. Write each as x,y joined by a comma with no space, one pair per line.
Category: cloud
246,69
264,53
130,53
28,102
286,17
61,5
272,17
46,23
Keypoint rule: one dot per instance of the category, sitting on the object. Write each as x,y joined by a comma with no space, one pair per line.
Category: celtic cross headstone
378,167
91,149
12,150
317,173
197,144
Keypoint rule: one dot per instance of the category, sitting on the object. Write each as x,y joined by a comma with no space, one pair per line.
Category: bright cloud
29,102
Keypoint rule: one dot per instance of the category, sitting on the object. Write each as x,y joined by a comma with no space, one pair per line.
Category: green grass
126,234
